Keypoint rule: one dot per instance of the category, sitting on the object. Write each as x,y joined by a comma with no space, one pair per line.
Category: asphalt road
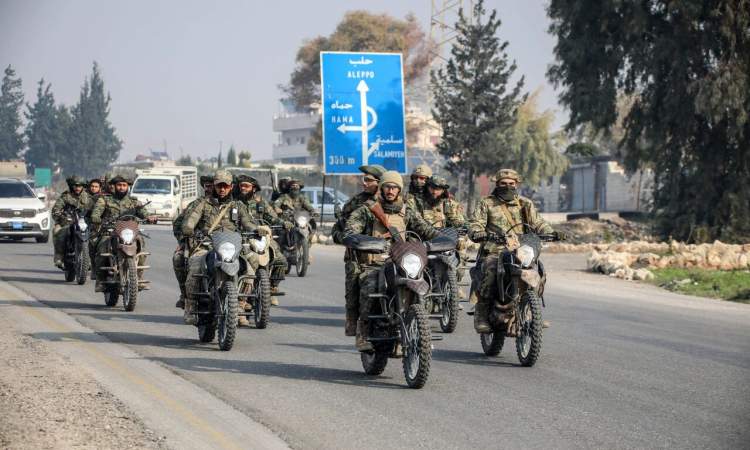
623,365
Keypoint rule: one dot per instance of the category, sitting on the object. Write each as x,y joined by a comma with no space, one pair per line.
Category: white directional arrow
362,88
364,126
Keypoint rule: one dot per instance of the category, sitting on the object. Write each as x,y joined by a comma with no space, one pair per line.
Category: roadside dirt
48,403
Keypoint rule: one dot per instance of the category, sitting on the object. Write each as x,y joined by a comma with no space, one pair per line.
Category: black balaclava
505,193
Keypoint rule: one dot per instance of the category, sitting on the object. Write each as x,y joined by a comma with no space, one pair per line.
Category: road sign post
363,111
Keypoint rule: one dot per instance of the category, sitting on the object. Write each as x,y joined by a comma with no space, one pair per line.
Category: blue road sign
363,111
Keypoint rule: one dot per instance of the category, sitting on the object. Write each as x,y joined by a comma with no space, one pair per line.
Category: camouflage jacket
109,208
414,201
353,204
262,209
363,221
446,212
205,212
286,203
82,201
177,222
495,215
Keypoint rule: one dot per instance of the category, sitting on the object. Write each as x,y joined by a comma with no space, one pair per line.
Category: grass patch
731,285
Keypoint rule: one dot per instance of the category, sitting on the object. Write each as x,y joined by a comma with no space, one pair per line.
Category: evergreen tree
474,101
45,135
218,160
11,101
686,66
185,161
231,157
93,144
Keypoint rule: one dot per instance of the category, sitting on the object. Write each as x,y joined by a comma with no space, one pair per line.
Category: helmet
392,177
242,178
206,179
422,170
375,170
508,174
438,182
75,180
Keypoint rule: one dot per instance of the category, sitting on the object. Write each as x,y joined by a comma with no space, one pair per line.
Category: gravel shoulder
47,402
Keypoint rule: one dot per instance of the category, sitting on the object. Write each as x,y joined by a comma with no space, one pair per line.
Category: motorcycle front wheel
226,323
529,340
492,343
83,264
303,253
130,293
262,306
449,318
416,340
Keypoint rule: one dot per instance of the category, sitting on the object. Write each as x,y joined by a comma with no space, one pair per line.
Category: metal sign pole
322,200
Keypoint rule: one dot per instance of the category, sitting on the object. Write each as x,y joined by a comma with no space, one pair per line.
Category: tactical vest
396,221
435,216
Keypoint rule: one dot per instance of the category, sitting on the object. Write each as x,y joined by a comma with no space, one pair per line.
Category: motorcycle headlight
127,235
302,221
259,245
82,225
412,265
226,250
525,254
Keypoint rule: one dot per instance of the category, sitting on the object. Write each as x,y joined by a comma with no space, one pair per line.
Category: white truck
169,189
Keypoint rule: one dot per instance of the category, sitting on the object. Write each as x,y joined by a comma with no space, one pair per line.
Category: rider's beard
416,187
391,206
119,195
294,193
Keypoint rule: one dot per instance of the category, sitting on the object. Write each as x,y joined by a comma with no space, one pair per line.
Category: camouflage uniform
363,221
351,268
262,209
496,215
414,197
108,208
178,257
286,202
81,201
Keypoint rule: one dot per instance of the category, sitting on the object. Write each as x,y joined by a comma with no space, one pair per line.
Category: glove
478,236
560,235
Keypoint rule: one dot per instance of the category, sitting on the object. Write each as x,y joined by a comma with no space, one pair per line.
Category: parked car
331,196
23,213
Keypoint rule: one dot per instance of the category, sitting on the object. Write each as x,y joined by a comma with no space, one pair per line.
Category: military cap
436,181
422,170
75,180
507,174
118,179
376,170
242,178
206,179
222,176
392,177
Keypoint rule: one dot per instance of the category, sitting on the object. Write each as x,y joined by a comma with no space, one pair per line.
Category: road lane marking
154,391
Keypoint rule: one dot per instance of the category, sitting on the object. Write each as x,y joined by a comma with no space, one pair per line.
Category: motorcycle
442,270
296,242
518,313
124,272
77,261
255,284
398,316
214,288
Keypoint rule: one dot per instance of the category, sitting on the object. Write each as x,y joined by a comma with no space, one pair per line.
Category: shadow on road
16,279
124,338
473,358
323,348
280,370
302,320
318,309
50,271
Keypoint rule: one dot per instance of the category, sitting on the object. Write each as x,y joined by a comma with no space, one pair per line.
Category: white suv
22,213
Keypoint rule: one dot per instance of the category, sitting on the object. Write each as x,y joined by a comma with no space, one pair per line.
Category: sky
198,75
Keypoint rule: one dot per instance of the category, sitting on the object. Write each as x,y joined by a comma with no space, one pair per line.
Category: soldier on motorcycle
367,197
215,213
497,213
417,185
109,208
387,218
249,195
178,258
283,188
75,197
293,199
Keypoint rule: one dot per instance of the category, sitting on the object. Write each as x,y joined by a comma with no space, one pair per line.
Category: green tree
45,132
686,66
92,143
358,31
231,157
11,101
529,146
474,99
244,158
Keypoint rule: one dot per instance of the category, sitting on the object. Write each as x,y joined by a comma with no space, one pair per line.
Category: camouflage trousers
368,284
59,237
278,264
196,266
180,268
351,286
488,282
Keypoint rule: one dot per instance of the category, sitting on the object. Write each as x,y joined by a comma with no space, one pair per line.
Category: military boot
481,323
242,319
180,303
363,345
188,316
99,286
